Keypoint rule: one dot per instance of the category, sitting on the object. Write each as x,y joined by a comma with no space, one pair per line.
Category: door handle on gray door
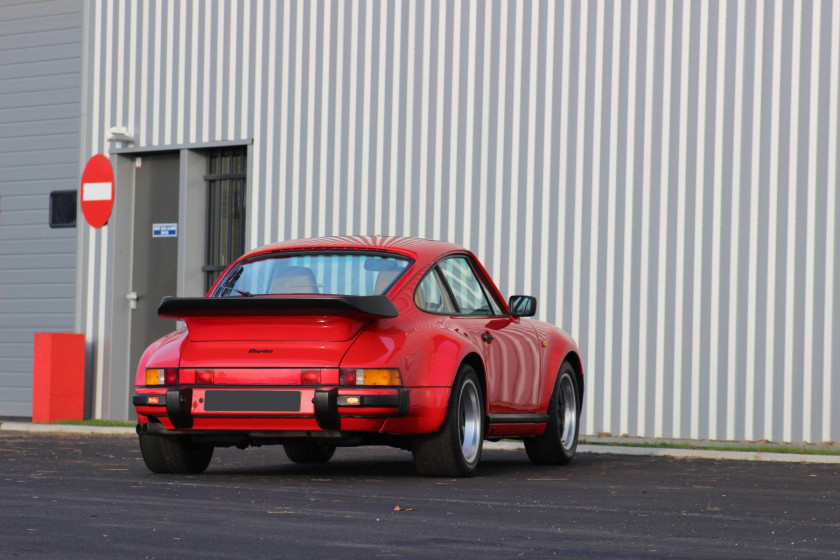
132,298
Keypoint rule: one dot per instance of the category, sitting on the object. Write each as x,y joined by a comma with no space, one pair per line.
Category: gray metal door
155,256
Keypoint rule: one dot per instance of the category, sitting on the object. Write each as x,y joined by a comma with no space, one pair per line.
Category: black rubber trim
364,306
143,400
178,403
518,418
326,409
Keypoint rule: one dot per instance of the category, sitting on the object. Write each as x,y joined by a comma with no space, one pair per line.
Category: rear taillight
205,377
161,376
370,376
310,377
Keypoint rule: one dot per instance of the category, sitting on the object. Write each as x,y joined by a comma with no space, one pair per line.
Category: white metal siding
662,175
40,78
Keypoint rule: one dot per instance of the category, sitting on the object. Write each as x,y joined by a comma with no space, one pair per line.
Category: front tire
174,454
558,444
308,453
455,449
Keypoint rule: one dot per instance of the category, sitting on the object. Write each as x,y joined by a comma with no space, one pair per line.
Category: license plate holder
251,401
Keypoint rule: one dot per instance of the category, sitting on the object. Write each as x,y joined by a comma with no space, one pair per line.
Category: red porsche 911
321,343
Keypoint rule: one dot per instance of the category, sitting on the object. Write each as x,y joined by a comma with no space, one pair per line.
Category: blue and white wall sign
164,230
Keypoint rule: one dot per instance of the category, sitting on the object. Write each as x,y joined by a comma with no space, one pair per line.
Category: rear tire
455,449
558,444
174,454
308,452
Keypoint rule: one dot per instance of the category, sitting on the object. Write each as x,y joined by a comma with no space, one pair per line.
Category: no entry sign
97,191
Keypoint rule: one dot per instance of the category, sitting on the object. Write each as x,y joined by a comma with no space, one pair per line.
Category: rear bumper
299,408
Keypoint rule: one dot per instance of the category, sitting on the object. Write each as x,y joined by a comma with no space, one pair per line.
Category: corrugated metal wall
662,175
40,81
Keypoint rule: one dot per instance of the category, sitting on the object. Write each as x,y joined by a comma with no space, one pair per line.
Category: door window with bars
225,210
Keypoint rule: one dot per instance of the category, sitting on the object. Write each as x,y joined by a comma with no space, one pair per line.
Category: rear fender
430,360
560,348
165,352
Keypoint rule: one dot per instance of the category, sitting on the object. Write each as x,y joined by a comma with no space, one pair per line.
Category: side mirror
522,306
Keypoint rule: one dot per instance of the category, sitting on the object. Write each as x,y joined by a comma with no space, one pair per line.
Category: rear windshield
345,274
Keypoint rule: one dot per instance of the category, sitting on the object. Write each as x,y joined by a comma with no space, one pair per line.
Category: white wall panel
662,174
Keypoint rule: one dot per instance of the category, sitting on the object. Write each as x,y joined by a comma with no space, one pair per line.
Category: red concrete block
58,381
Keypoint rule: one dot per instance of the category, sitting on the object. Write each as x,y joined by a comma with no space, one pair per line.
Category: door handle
132,298
487,337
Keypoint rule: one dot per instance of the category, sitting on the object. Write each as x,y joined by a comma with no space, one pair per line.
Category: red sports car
321,343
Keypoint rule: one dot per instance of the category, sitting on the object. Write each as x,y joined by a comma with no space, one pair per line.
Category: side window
466,287
431,296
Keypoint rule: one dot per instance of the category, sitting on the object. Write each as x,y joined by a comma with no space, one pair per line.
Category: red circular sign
97,192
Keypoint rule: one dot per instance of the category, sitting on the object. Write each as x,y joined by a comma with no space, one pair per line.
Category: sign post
97,192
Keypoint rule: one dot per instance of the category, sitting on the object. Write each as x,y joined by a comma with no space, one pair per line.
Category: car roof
420,250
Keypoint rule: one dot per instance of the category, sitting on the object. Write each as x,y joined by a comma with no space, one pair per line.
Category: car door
509,345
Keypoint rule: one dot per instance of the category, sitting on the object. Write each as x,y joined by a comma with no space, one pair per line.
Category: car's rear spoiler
369,306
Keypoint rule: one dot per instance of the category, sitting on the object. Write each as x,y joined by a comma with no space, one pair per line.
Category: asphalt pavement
67,495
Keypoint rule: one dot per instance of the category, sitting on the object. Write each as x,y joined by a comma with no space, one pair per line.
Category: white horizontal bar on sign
96,191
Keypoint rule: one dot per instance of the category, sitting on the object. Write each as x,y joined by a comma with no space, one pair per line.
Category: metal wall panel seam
339,97
395,118
752,290
662,249
272,93
156,71
284,133
793,146
732,319
771,223
610,231
232,98
629,186
306,173
261,215
592,356
589,395
527,220
699,185
456,78
501,92
411,78
170,77
483,180
380,123
563,232
364,227
120,67
182,74
808,373
205,82
291,229
682,147
217,32
547,156
645,360
828,427
440,102
512,184
194,62
463,235
325,107
716,225
422,186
